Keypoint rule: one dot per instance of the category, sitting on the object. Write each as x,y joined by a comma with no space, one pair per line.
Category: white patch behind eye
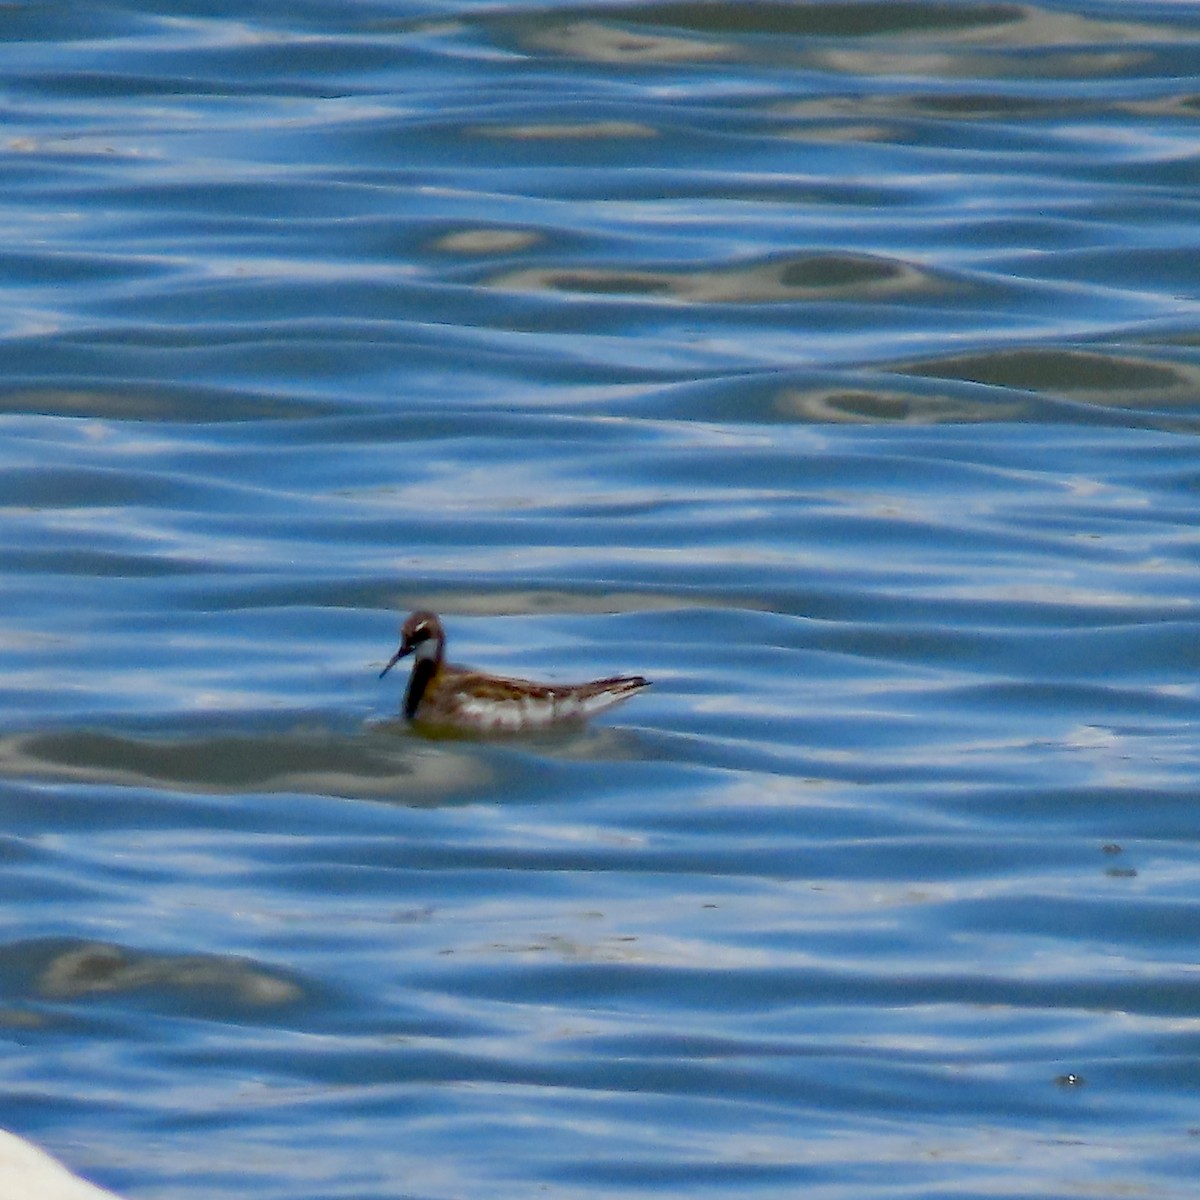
425,649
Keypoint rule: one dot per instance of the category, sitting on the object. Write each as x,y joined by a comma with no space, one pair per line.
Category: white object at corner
27,1173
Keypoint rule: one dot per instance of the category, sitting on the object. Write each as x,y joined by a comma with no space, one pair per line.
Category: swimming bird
444,698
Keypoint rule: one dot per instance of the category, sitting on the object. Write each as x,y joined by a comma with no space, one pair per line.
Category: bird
444,698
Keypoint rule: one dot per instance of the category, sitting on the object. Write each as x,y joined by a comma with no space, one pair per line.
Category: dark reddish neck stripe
422,672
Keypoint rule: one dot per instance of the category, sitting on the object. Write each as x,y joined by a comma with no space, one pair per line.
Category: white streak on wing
598,704
531,712
507,716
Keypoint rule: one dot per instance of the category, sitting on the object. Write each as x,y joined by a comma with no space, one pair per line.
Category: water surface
834,365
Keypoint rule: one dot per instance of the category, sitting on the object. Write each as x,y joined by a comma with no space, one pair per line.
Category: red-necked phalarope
441,696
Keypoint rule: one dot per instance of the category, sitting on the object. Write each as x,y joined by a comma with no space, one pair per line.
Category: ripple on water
831,365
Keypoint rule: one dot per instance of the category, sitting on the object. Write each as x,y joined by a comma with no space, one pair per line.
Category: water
834,365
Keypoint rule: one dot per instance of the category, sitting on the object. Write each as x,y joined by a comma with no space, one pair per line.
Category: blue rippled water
835,365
